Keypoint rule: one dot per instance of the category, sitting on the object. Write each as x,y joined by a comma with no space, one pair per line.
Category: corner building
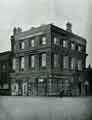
47,60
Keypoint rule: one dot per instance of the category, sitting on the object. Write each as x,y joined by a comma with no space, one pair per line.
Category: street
45,108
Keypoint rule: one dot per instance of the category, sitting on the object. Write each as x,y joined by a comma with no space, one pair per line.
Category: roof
5,55
68,33
47,28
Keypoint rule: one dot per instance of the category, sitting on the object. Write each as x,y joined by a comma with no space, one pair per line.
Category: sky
28,13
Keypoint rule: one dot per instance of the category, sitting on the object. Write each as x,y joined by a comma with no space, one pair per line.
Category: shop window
24,88
41,80
14,88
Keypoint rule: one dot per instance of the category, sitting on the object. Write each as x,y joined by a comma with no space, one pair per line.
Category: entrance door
86,87
79,85
67,88
14,88
24,89
42,86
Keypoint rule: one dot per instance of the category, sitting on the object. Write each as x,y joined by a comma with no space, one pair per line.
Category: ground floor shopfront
48,86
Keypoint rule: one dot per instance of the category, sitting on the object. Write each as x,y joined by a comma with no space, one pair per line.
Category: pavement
45,108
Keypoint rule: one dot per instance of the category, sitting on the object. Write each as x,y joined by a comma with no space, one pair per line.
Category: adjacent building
88,81
5,69
47,60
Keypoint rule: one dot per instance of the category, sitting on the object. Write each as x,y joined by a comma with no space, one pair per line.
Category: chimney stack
14,31
69,27
18,30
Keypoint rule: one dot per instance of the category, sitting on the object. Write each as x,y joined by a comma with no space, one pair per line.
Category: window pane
43,40
55,60
22,45
79,65
64,43
55,40
72,46
79,48
22,63
65,62
32,61
14,63
3,67
43,60
72,63
32,43
14,88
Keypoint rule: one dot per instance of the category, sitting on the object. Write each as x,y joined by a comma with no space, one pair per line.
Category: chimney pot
69,27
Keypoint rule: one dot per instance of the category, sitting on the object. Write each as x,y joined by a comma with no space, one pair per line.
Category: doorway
79,87
24,88
41,87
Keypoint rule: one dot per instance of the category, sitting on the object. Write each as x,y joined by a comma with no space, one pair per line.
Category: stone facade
61,70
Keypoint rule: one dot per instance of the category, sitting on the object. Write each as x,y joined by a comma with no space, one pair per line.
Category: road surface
45,108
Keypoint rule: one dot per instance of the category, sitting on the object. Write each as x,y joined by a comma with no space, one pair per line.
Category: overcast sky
27,13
